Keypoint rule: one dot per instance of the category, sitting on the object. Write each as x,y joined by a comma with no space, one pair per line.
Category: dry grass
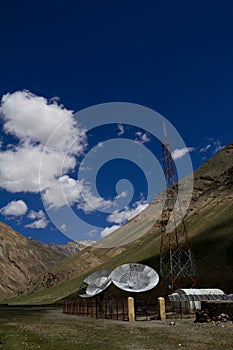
46,329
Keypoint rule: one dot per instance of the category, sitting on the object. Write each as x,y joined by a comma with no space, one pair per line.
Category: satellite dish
135,277
97,283
98,277
93,290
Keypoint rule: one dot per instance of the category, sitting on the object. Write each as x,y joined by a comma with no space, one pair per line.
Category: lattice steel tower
177,265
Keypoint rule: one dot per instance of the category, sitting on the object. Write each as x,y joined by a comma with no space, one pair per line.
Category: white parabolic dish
97,282
134,277
97,276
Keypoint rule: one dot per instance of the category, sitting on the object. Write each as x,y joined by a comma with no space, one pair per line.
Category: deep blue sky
175,57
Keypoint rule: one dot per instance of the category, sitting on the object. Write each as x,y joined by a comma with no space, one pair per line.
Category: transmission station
177,266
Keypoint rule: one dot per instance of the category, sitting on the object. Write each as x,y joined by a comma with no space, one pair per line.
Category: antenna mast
176,262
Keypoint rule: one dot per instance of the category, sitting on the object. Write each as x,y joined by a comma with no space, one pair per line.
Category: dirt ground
48,328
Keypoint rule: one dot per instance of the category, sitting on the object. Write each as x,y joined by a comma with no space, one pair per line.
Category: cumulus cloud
40,219
63,227
41,223
121,129
142,137
32,117
32,120
68,191
89,202
65,190
20,169
181,152
127,213
15,208
109,230
36,214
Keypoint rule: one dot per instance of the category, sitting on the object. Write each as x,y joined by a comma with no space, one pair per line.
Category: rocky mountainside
21,260
209,224
70,248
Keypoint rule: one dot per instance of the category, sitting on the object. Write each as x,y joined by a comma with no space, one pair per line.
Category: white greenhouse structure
190,299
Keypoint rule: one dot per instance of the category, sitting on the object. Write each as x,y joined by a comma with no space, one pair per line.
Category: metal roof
194,291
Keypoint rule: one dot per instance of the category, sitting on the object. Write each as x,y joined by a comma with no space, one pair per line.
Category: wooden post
131,313
162,312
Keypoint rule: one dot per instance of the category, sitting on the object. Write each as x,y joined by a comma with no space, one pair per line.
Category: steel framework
177,265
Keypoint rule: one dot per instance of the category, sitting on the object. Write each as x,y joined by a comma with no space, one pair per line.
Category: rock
210,316
202,317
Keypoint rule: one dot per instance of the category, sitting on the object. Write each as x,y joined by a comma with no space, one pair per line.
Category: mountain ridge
70,248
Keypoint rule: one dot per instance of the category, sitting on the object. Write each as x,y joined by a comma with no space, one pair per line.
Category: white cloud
179,153
41,223
88,202
142,137
121,129
121,195
63,227
127,213
41,220
20,169
109,230
65,190
36,214
15,208
206,148
33,119
215,145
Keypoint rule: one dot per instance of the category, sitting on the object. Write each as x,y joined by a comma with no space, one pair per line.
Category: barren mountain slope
70,248
21,260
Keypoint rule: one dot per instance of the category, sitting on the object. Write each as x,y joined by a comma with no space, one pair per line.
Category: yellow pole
162,312
131,313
